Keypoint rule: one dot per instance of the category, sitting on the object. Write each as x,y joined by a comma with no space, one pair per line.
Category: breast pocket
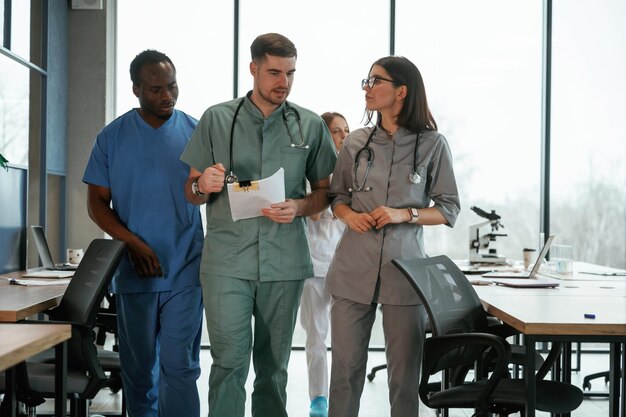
403,186
294,164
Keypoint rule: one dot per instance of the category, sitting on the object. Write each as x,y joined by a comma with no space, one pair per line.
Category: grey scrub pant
230,305
351,328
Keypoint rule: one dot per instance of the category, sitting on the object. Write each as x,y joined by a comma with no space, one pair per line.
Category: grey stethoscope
287,109
368,153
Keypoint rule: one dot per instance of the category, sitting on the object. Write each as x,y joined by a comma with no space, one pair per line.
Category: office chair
79,306
106,323
461,338
587,384
495,326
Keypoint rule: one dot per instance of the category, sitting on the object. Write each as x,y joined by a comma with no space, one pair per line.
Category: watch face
414,213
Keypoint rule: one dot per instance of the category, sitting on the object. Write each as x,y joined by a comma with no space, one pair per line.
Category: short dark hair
147,57
415,115
273,44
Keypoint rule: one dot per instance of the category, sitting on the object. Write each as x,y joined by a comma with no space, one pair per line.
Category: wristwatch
414,215
194,187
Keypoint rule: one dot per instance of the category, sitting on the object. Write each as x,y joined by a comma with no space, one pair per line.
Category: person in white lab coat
323,231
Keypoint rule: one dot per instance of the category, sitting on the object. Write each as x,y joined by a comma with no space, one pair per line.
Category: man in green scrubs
255,267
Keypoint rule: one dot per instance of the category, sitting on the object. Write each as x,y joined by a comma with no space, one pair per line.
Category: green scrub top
257,248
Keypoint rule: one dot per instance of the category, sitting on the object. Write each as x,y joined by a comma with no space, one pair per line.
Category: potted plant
4,162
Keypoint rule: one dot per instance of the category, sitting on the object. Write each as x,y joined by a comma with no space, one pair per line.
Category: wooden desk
18,302
19,342
558,315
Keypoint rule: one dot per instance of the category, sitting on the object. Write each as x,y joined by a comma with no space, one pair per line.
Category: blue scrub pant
230,304
159,338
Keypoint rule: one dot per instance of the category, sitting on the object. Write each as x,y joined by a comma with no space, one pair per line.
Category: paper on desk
47,273
246,203
38,282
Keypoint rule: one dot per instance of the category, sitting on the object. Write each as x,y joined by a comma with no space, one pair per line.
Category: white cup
74,256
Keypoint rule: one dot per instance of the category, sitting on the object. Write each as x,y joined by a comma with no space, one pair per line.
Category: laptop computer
527,283
524,274
44,252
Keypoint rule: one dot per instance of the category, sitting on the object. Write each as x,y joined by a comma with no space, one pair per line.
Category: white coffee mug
74,256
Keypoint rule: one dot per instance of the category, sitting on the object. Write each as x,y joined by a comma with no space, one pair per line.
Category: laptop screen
42,247
542,254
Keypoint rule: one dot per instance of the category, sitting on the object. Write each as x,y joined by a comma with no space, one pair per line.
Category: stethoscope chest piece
415,177
231,178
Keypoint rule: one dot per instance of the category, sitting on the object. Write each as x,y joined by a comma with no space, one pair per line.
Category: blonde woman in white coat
323,232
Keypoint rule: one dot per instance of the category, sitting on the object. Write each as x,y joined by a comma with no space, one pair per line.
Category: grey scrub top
361,269
258,248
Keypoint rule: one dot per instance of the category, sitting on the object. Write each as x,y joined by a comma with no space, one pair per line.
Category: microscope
479,243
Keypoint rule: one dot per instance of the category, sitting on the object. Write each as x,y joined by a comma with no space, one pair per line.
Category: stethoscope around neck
367,152
231,177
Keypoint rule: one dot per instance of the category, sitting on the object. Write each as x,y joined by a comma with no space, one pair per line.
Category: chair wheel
586,385
370,377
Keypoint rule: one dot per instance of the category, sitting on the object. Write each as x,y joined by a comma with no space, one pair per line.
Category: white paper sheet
47,273
247,203
38,282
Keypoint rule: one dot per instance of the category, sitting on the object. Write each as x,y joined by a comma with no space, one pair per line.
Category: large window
336,43
588,187
14,81
197,36
14,102
481,64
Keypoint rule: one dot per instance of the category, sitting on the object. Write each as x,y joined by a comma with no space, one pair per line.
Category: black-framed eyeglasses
372,81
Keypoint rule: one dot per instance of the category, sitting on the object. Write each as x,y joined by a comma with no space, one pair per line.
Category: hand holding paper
247,201
283,212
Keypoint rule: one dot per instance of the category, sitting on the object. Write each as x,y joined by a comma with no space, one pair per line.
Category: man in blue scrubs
135,166
255,267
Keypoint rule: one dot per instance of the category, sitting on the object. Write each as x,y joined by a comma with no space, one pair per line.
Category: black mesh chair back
452,304
83,296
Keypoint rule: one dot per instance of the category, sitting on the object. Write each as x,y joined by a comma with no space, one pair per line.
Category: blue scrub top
141,166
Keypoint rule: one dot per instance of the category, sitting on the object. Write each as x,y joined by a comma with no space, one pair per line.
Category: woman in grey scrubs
390,180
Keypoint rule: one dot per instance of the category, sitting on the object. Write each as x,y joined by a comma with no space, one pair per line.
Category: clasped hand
378,218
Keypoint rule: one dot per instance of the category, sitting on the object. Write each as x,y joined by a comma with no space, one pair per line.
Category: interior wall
90,61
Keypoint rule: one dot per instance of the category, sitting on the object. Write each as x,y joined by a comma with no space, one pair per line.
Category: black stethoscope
368,152
287,109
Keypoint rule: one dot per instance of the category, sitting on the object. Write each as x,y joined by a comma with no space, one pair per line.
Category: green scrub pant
230,304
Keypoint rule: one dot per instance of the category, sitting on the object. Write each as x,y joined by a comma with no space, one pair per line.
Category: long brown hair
415,115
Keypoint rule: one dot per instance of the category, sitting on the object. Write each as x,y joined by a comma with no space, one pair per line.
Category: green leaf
4,162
